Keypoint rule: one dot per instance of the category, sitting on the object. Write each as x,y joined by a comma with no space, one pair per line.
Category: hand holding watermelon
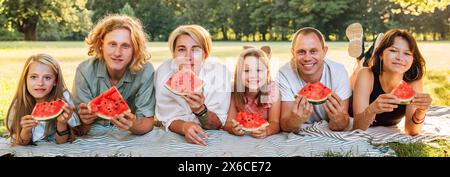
237,128
28,122
334,107
260,133
124,122
195,101
65,116
86,116
384,103
422,101
301,110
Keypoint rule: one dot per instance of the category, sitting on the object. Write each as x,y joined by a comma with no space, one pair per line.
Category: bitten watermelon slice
404,93
109,104
250,121
316,93
184,82
48,110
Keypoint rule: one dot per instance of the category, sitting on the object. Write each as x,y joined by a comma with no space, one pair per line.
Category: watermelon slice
184,82
316,93
109,104
48,110
404,93
250,121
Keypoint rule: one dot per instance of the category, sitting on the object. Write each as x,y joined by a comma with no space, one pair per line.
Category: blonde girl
41,80
254,92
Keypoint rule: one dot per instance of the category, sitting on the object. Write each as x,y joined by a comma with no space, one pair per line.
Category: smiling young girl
254,92
397,59
41,81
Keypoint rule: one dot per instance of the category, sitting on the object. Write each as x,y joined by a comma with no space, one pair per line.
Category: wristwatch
65,132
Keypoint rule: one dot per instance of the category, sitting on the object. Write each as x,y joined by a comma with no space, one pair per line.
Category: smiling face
308,54
397,58
117,50
254,73
40,81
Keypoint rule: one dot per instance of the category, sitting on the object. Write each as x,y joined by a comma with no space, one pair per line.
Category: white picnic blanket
436,126
314,140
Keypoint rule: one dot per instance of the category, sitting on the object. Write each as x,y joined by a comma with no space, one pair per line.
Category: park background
58,27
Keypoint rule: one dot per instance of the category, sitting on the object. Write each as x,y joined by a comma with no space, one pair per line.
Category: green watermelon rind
254,129
199,89
406,101
105,116
317,102
48,117
108,117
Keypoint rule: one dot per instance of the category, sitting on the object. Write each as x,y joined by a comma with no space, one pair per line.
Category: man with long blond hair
120,58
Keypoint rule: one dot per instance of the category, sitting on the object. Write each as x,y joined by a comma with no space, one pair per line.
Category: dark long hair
417,69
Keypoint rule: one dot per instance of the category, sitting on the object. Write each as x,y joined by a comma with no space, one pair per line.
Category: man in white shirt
189,115
309,65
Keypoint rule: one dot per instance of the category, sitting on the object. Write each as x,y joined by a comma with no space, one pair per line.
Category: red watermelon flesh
48,110
404,93
316,93
250,121
184,82
109,104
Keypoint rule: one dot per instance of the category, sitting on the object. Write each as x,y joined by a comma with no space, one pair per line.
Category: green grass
437,83
70,54
330,153
438,148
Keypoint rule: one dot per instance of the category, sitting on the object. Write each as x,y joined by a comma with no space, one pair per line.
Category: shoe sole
354,33
377,42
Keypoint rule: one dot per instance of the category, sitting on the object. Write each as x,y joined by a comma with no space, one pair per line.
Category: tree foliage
243,20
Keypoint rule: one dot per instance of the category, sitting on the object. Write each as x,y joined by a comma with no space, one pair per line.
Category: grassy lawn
70,54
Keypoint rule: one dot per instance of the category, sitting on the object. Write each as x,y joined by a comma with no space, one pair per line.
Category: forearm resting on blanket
364,119
142,126
210,121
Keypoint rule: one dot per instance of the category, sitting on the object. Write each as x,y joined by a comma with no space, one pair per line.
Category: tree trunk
443,37
29,27
30,34
224,33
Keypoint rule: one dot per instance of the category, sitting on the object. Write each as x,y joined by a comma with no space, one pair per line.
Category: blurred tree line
241,20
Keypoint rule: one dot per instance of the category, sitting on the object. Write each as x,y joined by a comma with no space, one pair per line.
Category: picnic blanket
436,126
314,140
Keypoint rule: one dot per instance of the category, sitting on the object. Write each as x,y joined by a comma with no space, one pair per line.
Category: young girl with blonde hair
41,81
254,92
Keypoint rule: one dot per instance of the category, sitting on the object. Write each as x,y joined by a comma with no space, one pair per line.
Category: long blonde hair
138,39
23,102
239,87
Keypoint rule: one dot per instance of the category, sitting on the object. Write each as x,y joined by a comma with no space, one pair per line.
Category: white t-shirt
39,130
217,92
334,76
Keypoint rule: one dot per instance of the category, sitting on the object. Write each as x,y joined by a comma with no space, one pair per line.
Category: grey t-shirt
334,76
